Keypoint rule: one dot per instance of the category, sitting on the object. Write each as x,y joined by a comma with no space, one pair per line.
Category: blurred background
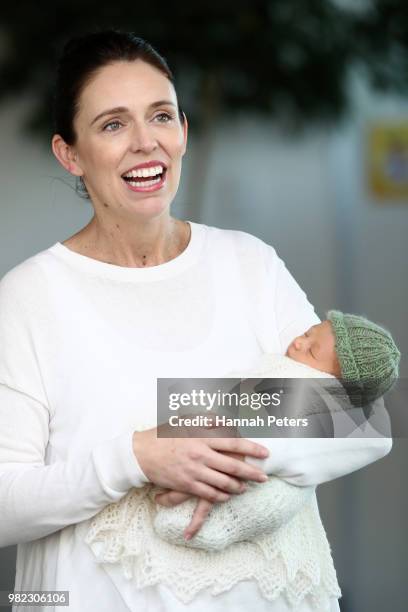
298,114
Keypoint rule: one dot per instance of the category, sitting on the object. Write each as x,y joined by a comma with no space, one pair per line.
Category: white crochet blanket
262,509
272,534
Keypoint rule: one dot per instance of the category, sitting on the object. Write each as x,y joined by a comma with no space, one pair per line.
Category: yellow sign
387,158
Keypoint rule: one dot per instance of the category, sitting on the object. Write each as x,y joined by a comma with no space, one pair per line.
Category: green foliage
287,58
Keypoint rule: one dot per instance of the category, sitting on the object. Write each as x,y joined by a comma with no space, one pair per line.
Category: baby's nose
299,343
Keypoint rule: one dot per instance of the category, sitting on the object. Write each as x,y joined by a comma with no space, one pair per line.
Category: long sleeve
294,314
312,461
357,442
277,307
38,499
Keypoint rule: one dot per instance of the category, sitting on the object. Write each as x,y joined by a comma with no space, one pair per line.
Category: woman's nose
143,139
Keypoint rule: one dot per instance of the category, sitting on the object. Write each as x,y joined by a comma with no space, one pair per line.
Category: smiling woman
88,325
127,125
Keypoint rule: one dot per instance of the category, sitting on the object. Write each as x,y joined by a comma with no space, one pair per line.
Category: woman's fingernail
187,536
263,478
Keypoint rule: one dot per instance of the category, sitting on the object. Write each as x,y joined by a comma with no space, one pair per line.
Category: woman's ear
65,155
185,132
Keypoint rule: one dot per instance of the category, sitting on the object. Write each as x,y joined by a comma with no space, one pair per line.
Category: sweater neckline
100,268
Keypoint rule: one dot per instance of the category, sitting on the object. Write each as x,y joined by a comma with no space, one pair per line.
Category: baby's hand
203,508
201,512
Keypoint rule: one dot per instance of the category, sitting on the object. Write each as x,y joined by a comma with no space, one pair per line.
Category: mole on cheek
106,205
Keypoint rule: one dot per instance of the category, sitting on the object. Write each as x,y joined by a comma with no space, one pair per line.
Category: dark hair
82,56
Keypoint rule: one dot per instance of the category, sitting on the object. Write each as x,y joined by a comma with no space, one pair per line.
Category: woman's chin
149,208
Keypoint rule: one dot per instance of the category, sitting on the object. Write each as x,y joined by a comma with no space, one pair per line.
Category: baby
361,354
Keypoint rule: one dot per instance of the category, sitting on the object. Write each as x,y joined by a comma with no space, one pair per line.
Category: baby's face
316,348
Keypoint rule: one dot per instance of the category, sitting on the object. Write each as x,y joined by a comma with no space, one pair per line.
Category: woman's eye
164,117
111,123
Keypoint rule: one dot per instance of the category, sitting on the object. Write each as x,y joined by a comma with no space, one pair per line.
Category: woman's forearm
39,499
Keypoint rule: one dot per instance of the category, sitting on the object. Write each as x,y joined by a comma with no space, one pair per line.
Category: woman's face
128,118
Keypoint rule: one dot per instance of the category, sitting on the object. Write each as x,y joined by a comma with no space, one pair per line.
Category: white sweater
82,343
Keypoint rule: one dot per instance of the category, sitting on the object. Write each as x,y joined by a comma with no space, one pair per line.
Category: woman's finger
235,469
201,512
238,445
221,481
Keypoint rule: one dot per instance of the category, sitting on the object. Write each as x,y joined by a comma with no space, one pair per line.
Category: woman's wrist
138,440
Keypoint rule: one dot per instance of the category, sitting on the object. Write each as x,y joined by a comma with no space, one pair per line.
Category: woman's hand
197,466
203,508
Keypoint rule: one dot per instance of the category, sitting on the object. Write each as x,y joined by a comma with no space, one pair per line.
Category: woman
89,324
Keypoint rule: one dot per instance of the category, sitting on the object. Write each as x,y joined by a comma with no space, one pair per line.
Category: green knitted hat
367,355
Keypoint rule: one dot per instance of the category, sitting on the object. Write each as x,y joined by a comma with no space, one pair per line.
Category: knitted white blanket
272,534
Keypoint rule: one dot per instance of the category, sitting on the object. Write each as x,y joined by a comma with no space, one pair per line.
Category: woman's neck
154,243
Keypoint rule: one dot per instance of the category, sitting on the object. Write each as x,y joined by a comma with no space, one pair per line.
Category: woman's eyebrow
123,109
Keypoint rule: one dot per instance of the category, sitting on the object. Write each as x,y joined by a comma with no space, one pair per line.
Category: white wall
372,247
277,189
36,208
